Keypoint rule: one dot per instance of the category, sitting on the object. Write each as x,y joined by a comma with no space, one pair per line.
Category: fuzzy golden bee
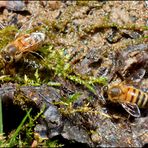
26,43
129,97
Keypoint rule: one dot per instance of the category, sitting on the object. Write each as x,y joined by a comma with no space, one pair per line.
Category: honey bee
26,43
130,97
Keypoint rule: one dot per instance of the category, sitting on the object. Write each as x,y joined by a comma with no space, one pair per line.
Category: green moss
34,81
7,35
57,61
106,25
88,82
91,4
54,143
82,3
71,98
21,99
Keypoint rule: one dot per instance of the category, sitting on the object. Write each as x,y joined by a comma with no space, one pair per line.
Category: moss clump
7,35
21,100
58,62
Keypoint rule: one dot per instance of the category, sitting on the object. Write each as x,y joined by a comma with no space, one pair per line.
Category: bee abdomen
132,95
142,99
38,36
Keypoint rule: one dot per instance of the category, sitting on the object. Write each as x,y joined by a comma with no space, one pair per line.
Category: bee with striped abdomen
131,98
26,43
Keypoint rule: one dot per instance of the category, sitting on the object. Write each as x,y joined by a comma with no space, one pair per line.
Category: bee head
8,53
11,49
114,92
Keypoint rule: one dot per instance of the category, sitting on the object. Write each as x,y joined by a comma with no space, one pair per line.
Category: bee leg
132,109
103,100
119,75
36,54
116,75
128,116
18,56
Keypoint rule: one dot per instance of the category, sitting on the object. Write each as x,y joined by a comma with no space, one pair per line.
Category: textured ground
91,34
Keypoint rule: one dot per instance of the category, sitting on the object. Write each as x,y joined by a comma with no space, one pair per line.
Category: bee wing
137,76
132,109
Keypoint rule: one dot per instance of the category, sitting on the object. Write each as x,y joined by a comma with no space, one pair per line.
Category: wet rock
40,132
13,5
54,121
71,132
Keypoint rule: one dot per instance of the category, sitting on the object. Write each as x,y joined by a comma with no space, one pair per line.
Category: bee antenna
119,75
